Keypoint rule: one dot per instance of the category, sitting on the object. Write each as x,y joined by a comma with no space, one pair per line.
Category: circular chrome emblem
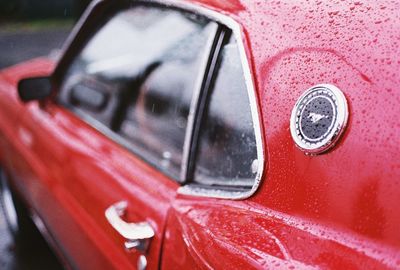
318,118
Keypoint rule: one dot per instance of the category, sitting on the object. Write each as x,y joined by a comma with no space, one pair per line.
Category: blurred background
40,9
28,29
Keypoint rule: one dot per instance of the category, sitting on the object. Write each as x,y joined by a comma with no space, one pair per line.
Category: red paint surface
70,174
337,210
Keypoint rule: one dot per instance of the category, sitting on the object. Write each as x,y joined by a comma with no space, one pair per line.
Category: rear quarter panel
337,210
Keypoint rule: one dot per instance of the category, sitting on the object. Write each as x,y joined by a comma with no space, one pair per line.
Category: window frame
79,37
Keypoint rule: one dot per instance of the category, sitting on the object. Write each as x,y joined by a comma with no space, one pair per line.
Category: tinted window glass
227,152
156,122
137,75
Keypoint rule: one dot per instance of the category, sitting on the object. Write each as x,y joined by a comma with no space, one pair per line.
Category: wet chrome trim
75,30
237,33
142,262
339,123
214,192
136,235
195,102
10,211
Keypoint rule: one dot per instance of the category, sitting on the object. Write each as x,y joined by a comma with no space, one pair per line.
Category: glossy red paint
69,174
79,202
333,211
336,210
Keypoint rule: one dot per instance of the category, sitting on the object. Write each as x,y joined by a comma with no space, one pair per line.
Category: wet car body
335,210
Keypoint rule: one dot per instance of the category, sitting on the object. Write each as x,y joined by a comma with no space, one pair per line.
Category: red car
211,134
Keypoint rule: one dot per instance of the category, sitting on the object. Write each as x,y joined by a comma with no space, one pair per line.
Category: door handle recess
136,235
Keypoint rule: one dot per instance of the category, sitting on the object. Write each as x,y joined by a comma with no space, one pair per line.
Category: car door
106,155
12,137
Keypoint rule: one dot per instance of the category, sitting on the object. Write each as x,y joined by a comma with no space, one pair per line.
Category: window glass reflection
227,151
137,74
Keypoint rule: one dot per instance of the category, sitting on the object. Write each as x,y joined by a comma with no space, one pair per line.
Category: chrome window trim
194,103
190,189
199,103
120,140
75,30
195,190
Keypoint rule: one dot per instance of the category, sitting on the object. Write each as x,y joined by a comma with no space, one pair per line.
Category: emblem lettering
315,117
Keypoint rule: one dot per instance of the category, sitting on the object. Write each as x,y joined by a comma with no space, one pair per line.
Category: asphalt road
18,45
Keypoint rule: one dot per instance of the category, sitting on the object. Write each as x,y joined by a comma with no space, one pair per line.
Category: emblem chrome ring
319,118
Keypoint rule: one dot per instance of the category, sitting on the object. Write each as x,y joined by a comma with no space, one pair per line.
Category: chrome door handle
137,235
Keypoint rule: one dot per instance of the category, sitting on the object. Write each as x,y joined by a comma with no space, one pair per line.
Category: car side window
156,121
136,76
227,149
